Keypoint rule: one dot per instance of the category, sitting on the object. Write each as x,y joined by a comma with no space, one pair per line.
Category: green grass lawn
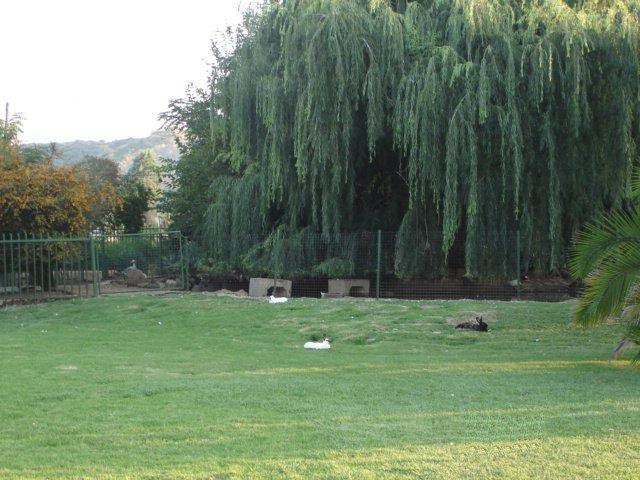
200,387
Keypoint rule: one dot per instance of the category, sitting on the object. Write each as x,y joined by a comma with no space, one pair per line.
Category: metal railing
35,268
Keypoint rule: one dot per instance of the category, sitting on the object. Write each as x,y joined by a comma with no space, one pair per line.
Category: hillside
122,151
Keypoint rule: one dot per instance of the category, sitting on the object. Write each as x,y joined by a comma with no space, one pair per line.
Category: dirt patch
229,293
426,306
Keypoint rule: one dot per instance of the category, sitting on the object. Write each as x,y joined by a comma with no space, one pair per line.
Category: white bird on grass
324,345
273,299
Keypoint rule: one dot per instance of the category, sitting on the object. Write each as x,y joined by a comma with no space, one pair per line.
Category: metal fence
364,265
34,269
157,258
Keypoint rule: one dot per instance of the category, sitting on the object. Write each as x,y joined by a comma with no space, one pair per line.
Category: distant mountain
122,151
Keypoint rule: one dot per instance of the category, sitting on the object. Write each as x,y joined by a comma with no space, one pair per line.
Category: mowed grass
201,387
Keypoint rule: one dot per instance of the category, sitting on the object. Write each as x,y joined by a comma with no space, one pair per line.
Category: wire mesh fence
34,269
150,260
361,264
365,264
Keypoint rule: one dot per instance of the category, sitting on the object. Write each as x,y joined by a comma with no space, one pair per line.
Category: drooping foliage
488,128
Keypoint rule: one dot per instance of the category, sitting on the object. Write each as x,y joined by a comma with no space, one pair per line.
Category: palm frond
635,185
602,238
610,285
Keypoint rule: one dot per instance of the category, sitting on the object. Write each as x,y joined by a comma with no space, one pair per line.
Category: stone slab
356,287
263,287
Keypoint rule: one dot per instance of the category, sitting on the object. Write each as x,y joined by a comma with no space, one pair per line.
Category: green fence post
35,268
19,265
49,270
518,266
183,279
12,271
5,285
379,264
41,248
94,266
101,263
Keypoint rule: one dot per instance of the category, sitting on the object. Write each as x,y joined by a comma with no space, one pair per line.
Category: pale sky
103,69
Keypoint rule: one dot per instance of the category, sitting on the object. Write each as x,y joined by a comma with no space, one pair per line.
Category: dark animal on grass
478,324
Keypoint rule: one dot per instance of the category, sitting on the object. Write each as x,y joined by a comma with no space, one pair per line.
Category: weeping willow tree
490,128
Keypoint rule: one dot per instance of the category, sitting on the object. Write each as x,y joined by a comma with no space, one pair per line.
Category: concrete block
349,287
263,287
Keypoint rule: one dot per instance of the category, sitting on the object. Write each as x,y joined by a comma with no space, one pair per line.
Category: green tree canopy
40,154
146,170
104,178
101,169
492,126
135,200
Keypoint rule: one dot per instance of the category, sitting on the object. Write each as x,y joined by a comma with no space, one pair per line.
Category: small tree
146,170
42,198
103,177
40,154
135,198
37,197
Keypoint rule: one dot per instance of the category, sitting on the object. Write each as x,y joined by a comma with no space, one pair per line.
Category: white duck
273,299
323,345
